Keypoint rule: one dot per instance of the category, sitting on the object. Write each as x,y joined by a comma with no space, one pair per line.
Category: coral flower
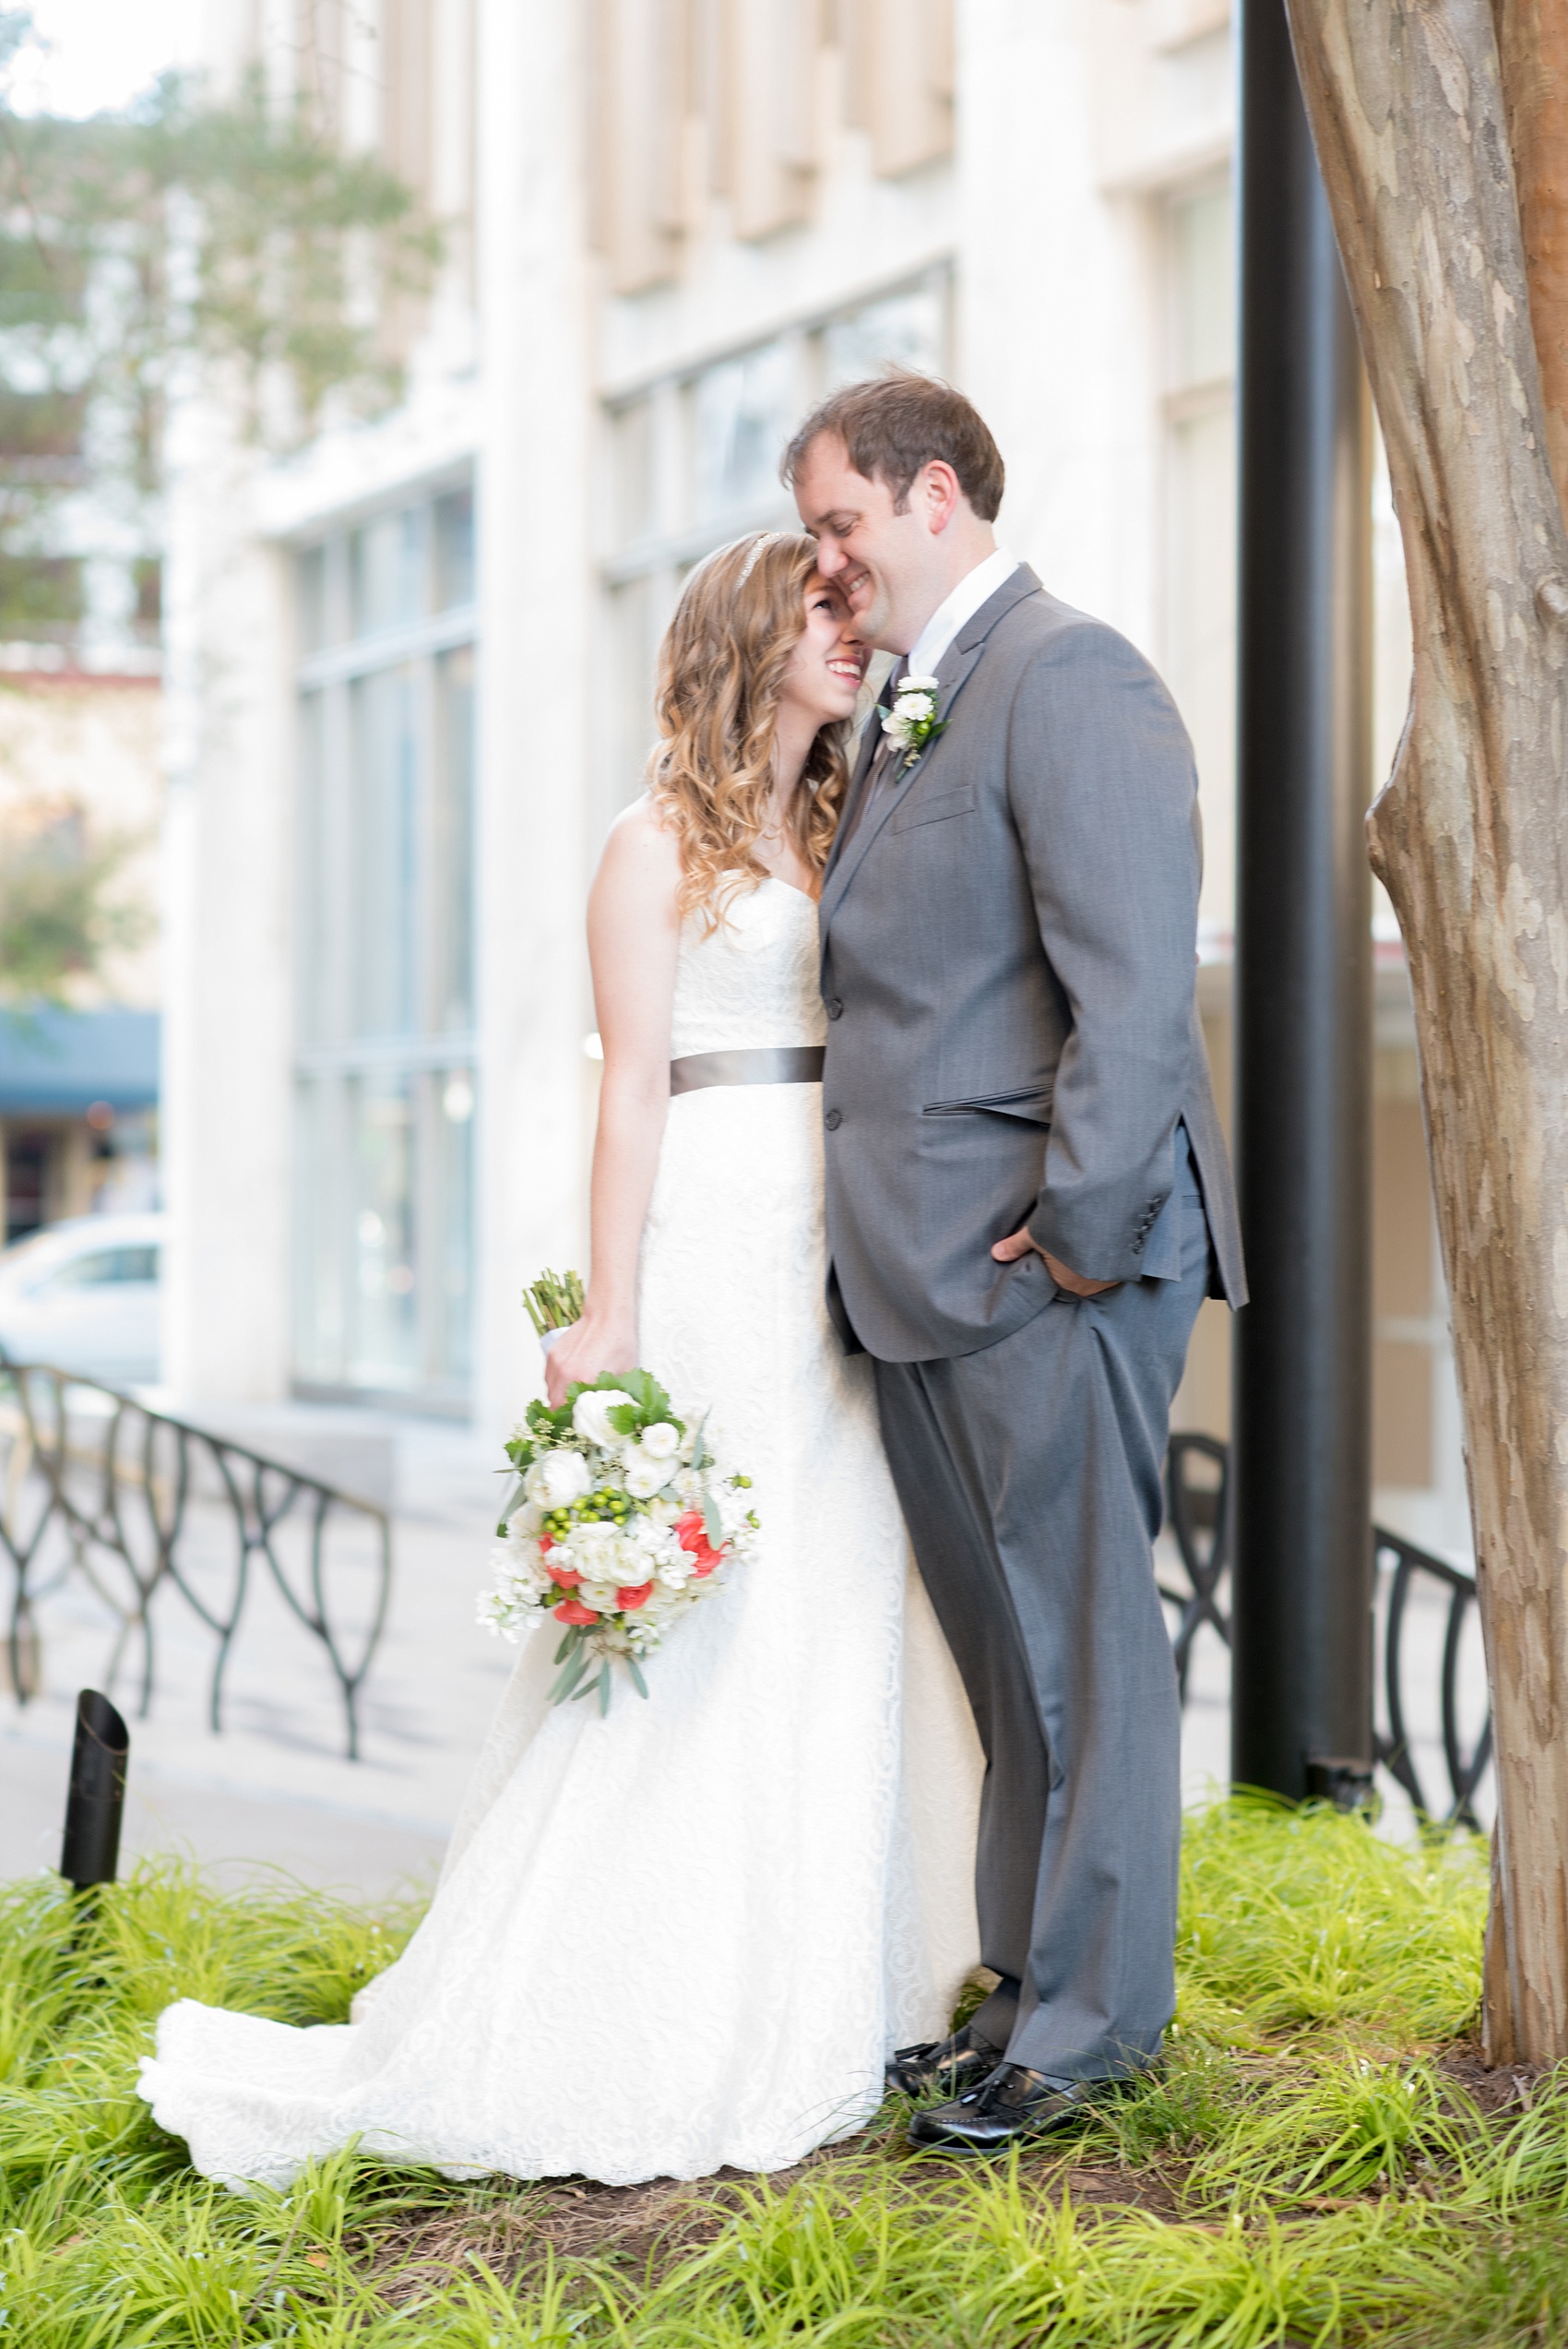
692,1534
573,1611
567,1576
633,1596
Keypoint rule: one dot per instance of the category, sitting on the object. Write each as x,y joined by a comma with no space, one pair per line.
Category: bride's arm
633,932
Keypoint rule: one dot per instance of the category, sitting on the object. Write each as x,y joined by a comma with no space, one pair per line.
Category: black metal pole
91,1848
1301,1700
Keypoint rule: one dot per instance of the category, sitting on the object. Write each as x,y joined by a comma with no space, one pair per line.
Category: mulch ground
641,2232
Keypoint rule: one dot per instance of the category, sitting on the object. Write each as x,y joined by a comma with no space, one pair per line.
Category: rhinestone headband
764,538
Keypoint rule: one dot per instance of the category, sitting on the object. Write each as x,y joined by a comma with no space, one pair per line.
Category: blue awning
57,1063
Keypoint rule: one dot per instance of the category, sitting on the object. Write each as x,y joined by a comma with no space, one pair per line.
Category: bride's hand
584,1350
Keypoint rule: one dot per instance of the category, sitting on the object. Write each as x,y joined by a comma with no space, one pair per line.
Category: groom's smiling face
891,562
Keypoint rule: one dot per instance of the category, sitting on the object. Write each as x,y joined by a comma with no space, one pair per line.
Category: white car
84,1296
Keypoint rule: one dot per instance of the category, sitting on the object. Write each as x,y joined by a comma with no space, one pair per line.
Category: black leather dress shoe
1012,2104
952,2064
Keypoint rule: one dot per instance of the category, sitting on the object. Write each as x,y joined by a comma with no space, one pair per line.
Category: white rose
645,1477
912,706
590,1414
919,685
524,1523
556,1479
597,1548
660,1441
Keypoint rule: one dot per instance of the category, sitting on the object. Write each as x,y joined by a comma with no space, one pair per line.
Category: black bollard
96,1798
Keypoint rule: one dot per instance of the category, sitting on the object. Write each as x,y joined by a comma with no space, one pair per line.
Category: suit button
835,1007
834,1119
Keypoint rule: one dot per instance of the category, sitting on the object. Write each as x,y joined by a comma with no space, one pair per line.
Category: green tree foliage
59,913
186,234
183,244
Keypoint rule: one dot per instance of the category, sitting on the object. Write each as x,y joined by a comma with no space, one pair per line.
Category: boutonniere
913,725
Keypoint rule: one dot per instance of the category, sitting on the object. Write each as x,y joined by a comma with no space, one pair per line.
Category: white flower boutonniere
913,725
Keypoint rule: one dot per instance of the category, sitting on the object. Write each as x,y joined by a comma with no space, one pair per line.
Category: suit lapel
865,757
953,671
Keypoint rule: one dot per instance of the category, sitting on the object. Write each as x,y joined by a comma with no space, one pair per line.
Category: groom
1027,1197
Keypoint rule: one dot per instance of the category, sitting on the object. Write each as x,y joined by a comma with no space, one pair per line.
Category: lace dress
686,1934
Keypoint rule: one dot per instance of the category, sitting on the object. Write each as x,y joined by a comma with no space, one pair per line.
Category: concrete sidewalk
274,1788
275,1791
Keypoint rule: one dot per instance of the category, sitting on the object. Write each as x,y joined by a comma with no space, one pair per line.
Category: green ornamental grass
1320,2159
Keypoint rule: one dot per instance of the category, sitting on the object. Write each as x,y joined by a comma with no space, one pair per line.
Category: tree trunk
1532,37
1409,111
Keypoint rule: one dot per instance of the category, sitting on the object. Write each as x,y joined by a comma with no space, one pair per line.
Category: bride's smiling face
829,660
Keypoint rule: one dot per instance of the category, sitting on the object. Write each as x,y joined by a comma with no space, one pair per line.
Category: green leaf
574,1639
603,1689
649,1397
712,1523
638,1683
568,1683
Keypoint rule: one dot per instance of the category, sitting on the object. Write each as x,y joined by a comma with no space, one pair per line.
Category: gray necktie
877,775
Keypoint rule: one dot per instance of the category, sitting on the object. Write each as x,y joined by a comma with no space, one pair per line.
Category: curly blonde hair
720,669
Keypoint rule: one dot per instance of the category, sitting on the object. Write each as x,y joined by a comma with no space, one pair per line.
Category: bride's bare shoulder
639,873
641,848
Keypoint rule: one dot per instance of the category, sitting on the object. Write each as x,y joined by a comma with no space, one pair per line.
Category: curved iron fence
97,1485
1197,1480
1405,1562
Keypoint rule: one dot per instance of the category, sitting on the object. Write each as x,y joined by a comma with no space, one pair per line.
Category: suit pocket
1031,1102
936,809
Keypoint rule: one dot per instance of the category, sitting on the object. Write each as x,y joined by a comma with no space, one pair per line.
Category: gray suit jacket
1008,959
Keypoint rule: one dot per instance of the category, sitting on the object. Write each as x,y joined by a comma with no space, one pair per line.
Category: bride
689,1934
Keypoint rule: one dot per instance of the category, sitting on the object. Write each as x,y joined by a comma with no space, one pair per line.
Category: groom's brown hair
898,422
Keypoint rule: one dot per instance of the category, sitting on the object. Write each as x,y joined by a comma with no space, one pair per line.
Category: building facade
410,670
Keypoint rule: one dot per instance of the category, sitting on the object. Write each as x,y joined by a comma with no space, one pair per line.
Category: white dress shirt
976,587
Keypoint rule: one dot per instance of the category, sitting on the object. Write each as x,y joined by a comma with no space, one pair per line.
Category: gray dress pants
1030,1474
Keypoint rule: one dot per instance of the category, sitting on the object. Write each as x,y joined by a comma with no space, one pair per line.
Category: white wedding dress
688,1934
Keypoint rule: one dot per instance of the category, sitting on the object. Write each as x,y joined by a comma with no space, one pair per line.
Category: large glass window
740,413
385,1089
693,460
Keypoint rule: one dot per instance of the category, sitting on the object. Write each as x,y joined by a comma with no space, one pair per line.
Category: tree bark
1409,112
1532,38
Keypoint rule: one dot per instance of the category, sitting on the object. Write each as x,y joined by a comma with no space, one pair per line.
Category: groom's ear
934,495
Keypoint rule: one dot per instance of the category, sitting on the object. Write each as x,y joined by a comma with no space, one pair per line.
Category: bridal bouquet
620,1520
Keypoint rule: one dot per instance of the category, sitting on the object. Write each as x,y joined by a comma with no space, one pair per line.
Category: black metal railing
1197,1510
99,1489
1404,1561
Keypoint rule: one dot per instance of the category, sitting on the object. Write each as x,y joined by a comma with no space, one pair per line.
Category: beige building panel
770,53
640,108
1402,1221
1402,1414
911,90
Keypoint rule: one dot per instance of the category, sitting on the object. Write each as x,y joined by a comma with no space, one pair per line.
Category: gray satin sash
749,1064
